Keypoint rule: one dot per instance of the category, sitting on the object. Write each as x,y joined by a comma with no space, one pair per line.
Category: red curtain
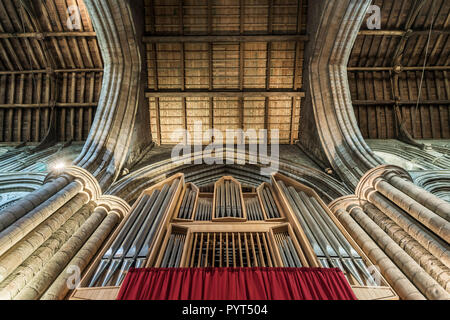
236,284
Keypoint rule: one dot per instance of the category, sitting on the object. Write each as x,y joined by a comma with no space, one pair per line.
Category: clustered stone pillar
407,223
32,200
342,208
15,282
53,281
22,249
42,224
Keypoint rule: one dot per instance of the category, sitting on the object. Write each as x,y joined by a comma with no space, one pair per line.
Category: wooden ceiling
228,63
372,60
46,66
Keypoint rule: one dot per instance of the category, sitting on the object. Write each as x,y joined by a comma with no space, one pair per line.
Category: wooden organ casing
264,231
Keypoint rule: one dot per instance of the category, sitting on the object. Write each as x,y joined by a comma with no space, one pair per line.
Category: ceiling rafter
43,35
398,50
58,69
401,33
223,93
223,38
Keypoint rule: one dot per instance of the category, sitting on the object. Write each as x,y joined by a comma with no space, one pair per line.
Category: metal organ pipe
329,244
174,250
131,224
254,212
222,201
275,212
183,204
317,249
287,250
238,200
204,210
233,201
132,244
228,200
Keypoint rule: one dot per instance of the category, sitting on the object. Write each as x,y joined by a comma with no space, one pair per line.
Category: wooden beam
266,113
43,35
401,102
299,16
268,64
399,33
217,93
210,18
241,115
224,38
412,68
211,115
45,105
158,120
51,71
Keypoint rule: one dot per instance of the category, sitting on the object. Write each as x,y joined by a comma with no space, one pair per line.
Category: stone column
20,239
114,209
425,216
428,200
19,229
394,276
422,280
332,133
32,200
21,276
116,139
425,259
25,247
403,211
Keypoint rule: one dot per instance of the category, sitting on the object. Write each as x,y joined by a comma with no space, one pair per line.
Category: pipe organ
279,224
204,210
131,246
329,245
229,249
254,211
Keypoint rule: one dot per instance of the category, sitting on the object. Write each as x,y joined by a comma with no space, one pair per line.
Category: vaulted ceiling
402,43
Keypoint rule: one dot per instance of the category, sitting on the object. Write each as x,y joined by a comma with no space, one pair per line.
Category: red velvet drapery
236,284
